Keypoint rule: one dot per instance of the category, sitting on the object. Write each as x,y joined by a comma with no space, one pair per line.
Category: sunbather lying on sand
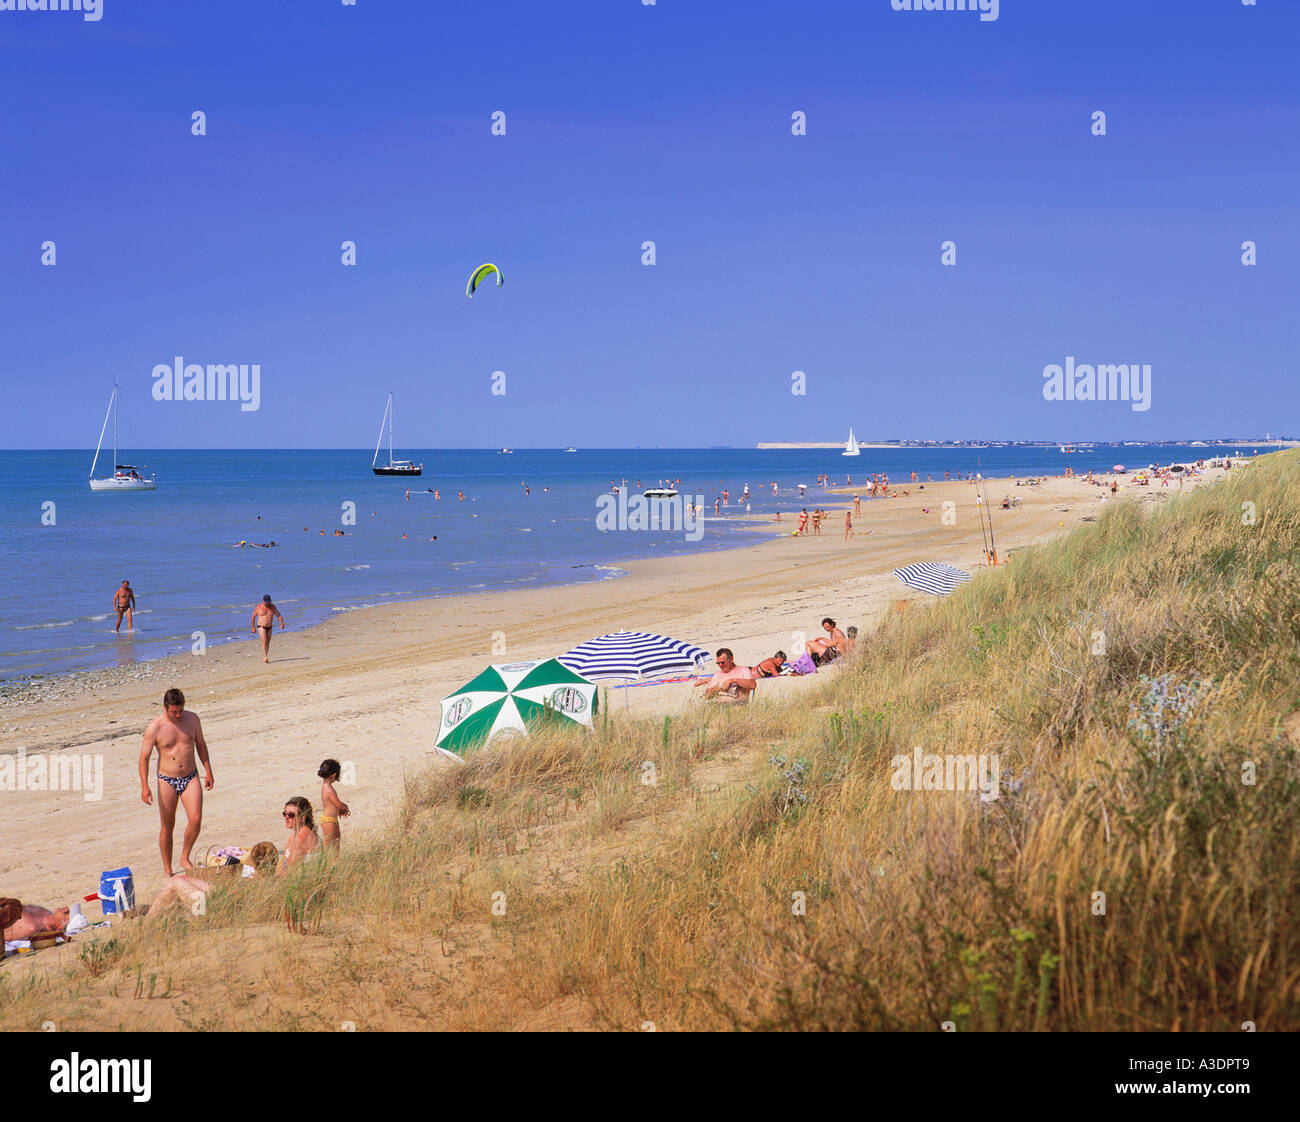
34,919
187,890
730,682
770,667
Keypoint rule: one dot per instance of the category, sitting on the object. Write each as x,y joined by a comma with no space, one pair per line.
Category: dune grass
1138,681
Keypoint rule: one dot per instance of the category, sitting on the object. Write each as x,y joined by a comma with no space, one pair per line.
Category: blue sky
626,122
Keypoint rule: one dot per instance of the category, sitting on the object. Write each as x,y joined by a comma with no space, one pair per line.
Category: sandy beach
365,687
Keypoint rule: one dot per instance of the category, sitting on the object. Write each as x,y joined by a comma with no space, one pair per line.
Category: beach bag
804,664
116,886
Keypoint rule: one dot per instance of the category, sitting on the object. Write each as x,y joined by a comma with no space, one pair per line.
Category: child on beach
332,807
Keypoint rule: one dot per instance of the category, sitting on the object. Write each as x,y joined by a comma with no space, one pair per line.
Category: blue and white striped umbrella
932,576
632,654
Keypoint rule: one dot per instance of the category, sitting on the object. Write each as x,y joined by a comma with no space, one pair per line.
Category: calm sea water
176,544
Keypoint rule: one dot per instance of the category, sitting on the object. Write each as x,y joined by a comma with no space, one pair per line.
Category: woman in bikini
332,807
303,839
770,667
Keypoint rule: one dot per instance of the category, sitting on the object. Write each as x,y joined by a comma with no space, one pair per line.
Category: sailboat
393,467
851,448
125,477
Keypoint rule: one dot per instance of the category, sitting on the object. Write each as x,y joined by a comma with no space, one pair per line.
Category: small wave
97,619
42,626
354,568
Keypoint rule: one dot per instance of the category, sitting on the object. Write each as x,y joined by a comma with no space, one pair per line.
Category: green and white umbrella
508,697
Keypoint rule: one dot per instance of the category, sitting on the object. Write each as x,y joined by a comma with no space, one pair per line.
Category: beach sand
365,687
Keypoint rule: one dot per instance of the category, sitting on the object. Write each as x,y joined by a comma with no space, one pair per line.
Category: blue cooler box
116,886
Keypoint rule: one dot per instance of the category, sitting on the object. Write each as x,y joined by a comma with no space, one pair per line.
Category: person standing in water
332,807
264,617
177,735
124,601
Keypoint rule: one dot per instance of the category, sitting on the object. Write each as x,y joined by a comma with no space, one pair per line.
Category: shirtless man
264,617
124,602
177,735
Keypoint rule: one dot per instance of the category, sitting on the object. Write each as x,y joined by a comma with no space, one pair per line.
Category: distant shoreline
777,445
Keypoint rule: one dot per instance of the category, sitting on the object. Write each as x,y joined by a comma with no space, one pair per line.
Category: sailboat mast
102,429
390,428
115,428
383,421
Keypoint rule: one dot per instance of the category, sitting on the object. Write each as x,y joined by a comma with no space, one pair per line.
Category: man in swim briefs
177,735
124,602
264,617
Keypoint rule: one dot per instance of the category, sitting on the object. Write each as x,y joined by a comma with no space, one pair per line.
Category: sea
66,549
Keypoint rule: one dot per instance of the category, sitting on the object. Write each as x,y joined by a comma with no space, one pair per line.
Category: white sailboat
851,448
393,467
125,477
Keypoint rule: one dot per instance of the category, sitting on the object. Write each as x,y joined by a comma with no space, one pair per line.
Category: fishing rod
993,547
978,501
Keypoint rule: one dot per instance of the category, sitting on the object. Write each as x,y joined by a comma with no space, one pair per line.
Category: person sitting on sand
332,807
835,641
770,667
729,682
33,919
304,842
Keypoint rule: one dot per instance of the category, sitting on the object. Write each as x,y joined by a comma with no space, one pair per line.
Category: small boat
570,449
506,452
125,477
851,448
393,467
1067,447
659,493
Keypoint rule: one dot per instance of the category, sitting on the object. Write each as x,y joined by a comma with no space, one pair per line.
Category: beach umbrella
932,576
508,697
632,654
1118,467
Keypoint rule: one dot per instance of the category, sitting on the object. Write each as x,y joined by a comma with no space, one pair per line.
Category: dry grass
547,885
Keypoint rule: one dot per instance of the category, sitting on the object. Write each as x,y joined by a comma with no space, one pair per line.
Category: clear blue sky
625,123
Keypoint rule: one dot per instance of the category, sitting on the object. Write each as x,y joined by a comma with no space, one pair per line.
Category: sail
380,441
851,448
103,429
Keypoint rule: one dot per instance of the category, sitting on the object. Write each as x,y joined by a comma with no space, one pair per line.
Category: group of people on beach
176,735
732,682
